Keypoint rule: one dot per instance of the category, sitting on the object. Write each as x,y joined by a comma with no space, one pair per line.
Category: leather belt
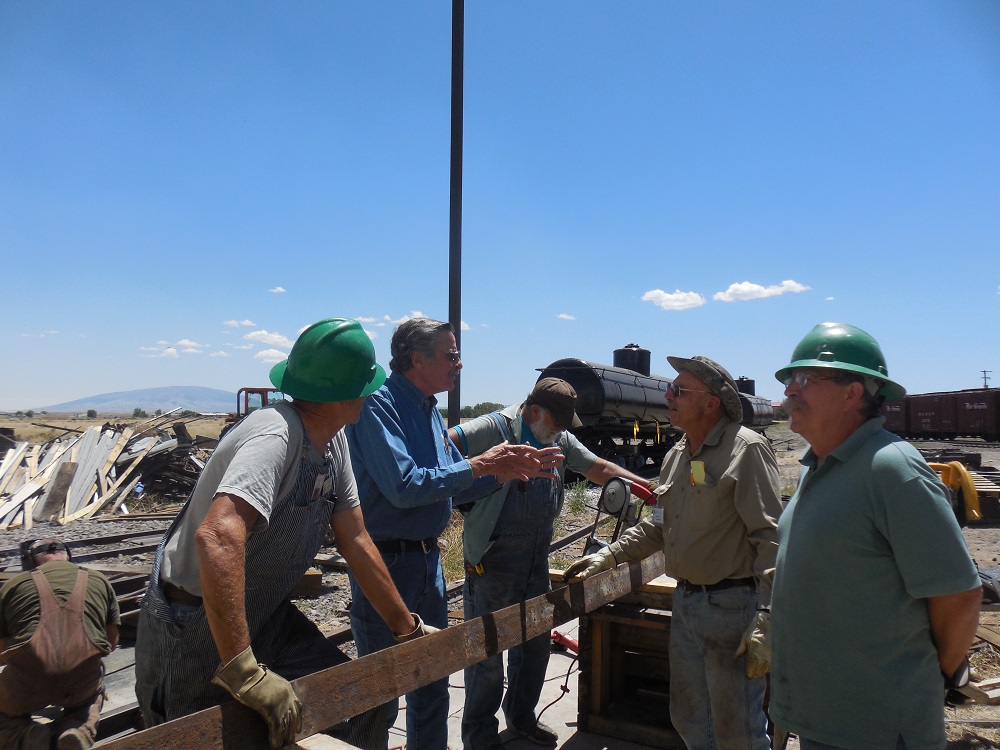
399,546
725,583
177,595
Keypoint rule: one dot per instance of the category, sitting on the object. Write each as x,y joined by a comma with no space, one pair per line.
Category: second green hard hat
839,346
332,360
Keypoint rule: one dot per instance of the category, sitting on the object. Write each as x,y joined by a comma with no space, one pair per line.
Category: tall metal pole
455,224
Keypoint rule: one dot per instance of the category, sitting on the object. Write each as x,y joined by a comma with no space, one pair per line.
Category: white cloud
270,356
190,344
829,299
238,323
466,326
566,316
277,290
162,349
218,354
362,319
189,350
745,290
371,334
40,334
677,301
266,337
240,346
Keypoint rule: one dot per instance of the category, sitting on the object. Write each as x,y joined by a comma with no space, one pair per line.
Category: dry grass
41,428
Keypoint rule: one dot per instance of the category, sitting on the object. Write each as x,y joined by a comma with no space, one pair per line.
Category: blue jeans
420,581
713,704
515,568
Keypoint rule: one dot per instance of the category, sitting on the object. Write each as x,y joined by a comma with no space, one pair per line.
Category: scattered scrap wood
98,470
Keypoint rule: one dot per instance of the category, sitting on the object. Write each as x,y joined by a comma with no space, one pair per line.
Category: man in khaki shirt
715,520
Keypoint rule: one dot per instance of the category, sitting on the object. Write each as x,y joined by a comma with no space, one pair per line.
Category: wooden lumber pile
75,477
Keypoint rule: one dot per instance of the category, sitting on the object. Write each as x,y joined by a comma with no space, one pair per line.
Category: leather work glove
421,629
756,644
267,693
590,565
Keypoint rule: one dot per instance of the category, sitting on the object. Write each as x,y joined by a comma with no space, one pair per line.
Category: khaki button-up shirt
719,510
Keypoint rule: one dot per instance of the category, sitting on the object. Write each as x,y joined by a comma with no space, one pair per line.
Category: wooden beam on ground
334,695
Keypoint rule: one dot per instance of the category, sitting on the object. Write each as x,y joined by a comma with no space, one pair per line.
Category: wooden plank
55,498
96,506
26,491
10,462
334,695
988,634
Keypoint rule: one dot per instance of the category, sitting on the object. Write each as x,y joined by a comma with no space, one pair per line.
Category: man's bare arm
954,619
221,543
369,570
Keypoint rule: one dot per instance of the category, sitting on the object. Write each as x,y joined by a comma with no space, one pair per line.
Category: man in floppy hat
875,588
408,471
218,608
717,508
57,621
506,543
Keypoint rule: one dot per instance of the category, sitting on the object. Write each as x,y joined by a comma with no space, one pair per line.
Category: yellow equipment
964,496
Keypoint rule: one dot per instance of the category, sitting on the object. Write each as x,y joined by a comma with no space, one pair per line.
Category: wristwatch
960,678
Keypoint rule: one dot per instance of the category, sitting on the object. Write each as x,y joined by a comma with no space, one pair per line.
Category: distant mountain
193,397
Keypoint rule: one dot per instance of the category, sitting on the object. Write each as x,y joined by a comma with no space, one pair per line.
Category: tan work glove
590,565
421,629
267,693
756,644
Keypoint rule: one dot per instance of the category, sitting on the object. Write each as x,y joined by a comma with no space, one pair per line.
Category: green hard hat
332,360
839,346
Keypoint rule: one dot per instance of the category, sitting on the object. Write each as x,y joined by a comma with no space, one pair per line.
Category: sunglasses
453,357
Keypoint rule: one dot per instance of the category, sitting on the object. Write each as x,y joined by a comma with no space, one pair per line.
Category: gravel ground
969,726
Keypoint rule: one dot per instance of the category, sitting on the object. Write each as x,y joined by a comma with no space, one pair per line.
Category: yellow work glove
421,629
590,565
267,693
756,644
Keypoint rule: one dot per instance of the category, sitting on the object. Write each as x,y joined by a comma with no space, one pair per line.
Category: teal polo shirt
867,537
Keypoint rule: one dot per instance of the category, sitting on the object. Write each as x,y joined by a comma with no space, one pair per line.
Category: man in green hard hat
876,598
218,605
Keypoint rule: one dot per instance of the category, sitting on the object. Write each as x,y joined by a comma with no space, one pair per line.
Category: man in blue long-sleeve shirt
408,472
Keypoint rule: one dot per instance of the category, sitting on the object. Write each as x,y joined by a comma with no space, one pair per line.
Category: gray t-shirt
258,461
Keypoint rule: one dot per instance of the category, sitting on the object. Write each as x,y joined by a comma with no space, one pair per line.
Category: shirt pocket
705,506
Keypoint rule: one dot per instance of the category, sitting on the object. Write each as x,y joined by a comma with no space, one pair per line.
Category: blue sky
186,185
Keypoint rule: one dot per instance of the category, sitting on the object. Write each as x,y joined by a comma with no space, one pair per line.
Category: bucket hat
718,380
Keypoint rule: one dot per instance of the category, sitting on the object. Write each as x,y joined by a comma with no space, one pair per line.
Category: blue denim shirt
407,470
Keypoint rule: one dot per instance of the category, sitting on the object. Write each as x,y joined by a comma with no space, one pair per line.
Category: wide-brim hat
559,397
718,380
332,360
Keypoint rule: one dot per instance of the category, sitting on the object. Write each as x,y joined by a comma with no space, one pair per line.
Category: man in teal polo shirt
876,598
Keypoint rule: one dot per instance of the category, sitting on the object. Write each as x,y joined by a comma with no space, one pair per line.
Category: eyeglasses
801,379
555,422
675,390
453,356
